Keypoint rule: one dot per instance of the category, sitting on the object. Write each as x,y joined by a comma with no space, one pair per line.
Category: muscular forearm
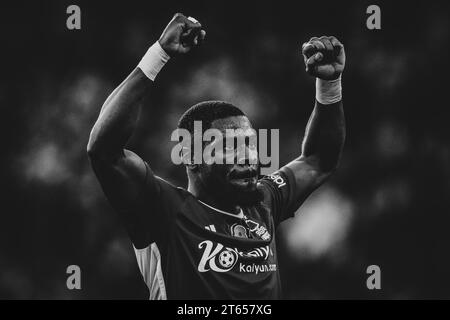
325,135
118,116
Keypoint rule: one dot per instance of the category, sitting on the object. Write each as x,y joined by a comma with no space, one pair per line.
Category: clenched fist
324,57
181,35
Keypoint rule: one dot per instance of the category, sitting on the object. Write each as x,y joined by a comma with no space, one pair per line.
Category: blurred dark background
388,204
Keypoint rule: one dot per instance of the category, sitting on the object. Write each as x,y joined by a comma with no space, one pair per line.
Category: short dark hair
207,112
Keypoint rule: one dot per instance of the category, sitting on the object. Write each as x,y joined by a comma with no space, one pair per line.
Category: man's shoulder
171,191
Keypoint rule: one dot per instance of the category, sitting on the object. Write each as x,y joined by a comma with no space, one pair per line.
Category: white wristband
154,59
328,91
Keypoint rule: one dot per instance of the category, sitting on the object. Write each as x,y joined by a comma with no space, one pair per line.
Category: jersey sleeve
279,191
154,212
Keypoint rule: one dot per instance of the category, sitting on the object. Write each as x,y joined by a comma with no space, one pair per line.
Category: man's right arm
122,173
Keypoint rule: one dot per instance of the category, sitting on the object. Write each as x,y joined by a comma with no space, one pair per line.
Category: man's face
236,178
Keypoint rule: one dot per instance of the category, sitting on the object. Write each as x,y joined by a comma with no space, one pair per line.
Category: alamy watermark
73,21
373,21
230,146
373,282
73,281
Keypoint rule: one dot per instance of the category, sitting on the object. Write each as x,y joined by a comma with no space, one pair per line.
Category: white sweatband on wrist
154,59
192,19
328,91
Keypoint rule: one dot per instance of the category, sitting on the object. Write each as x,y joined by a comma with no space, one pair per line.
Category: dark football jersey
196,251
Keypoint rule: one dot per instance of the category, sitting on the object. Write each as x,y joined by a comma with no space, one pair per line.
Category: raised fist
324,57
181,35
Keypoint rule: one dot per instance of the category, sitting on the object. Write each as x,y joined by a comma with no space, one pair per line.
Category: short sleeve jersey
196,251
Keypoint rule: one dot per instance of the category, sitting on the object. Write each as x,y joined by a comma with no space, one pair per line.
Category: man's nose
247,156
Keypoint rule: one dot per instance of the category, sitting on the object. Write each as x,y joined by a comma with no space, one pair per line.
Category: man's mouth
244,177
243,174
244,182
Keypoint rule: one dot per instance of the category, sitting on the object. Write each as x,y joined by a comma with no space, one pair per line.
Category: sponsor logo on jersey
257,268
277,179
218,258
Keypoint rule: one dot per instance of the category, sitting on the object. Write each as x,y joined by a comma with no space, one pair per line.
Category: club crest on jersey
239,231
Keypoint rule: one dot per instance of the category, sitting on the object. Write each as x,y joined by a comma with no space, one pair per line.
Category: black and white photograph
225,150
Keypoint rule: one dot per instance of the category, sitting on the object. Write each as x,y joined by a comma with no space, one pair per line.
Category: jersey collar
240,215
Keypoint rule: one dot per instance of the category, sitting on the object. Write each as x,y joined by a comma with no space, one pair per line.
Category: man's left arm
325,132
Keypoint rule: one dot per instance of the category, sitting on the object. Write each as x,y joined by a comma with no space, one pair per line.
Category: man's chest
214,243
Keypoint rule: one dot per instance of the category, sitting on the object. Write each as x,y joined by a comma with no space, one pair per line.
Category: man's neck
212,201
